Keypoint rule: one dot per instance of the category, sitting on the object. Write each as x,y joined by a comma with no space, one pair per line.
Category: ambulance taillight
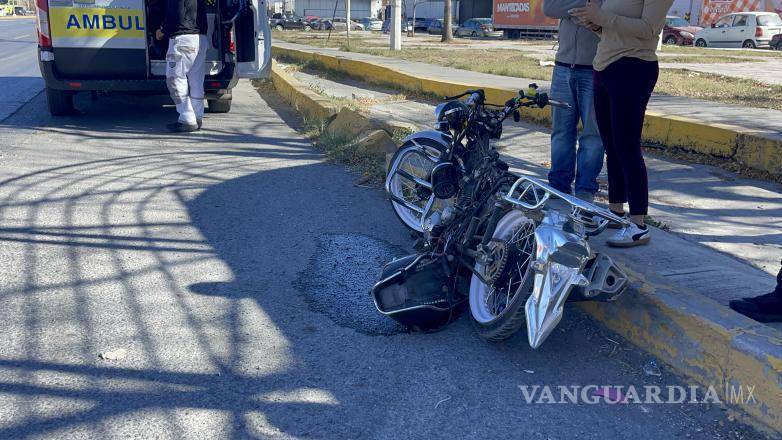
231,43
42,24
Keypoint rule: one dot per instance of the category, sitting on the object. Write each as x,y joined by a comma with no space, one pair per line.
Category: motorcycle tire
513,317
405,215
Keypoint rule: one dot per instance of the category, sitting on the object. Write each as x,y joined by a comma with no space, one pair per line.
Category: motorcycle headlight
686,34
450,114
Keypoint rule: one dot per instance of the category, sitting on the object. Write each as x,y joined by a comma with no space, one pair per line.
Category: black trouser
622,92
778,290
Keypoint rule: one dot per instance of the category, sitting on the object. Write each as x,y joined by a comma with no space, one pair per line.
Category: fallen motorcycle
490,240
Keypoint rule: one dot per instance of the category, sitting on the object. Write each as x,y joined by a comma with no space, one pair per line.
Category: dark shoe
764,308
199,122
178,127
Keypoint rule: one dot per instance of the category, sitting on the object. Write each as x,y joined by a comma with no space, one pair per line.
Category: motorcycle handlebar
478,92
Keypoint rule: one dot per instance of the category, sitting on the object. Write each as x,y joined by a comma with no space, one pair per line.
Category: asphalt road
20,78
214,285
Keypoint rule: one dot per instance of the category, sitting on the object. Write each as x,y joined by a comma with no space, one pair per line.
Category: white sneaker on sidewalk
630,236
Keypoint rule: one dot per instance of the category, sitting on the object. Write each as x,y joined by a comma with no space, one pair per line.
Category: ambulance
110,46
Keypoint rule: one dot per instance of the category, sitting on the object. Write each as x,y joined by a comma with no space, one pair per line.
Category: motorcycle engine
445,180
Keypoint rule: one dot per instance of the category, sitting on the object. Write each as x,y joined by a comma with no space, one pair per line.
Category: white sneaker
630,236
624,216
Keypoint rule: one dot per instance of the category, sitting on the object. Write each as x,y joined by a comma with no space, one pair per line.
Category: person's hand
159,35
586,16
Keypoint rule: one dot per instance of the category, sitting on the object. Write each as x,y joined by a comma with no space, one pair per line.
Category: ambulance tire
219,105
60,102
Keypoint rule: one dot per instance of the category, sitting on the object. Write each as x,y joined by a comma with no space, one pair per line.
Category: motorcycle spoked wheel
498,310
420,166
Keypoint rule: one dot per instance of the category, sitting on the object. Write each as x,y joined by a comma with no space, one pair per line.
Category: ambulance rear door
101,39
253,36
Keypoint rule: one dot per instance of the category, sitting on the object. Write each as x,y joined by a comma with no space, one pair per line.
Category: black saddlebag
417,292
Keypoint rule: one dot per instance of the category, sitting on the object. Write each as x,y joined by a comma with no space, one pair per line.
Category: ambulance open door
253,36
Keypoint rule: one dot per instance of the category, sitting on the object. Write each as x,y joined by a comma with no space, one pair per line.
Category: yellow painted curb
312,105
745,146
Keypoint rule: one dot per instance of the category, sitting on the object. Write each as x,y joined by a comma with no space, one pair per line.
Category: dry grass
674,82
704,59
719,88
688,50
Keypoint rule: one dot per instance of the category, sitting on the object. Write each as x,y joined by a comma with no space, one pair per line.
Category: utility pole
347,17
396,25
447,16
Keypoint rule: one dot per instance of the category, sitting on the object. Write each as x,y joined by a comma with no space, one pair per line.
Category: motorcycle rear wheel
498,312
412,161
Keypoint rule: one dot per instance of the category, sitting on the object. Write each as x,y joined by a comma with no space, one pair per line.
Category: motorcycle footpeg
607,281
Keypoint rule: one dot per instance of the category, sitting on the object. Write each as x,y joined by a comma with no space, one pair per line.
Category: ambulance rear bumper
214,86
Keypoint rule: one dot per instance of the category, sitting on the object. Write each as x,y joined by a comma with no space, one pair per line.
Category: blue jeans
576,87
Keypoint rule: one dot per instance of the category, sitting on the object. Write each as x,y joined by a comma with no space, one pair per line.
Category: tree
447,17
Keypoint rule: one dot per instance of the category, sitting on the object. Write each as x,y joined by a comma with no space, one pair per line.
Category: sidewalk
764,122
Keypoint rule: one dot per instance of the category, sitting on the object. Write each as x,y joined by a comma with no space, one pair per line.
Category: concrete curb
374,140
313,106
724,141
701,339
695,335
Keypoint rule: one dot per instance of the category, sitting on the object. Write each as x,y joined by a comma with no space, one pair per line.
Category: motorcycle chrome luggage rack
526,193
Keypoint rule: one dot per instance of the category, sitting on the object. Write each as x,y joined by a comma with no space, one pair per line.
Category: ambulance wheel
60,102
219,105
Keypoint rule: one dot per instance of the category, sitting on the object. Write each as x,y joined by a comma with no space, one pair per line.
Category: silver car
371,24
339,24
478,27
746,29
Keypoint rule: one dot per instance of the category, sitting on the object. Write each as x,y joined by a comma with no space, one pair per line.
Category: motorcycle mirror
516,116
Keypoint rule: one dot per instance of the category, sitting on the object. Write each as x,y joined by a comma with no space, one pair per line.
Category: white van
109,45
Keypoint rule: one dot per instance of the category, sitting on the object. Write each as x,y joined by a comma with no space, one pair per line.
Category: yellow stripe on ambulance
97,22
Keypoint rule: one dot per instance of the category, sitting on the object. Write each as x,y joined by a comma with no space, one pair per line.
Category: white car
742,29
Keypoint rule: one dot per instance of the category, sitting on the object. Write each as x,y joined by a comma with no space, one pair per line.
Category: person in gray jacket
572,83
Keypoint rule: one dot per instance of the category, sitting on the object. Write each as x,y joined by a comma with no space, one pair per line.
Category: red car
678,31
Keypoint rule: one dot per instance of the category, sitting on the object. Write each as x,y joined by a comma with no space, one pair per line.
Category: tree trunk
447,35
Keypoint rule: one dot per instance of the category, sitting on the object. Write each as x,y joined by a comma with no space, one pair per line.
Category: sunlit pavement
177,286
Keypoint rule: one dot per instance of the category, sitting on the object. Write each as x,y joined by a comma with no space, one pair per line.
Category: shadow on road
185,251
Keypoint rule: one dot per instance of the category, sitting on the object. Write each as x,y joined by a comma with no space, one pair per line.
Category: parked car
406,26
478,27
678,31
436,27
776,42
289,21
313,21
421,24
371,24
744,29
339,24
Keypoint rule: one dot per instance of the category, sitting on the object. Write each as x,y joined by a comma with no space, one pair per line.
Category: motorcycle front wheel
498,309
420,165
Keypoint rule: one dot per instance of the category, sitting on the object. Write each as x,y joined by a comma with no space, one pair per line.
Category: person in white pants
185,77
186,27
